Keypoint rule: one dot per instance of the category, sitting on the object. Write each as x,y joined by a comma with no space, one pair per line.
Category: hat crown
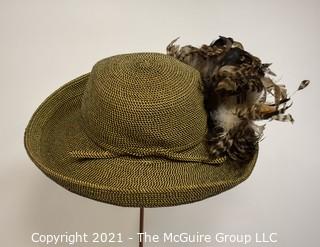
144,100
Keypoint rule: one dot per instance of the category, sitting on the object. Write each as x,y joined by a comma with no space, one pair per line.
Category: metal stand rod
141,225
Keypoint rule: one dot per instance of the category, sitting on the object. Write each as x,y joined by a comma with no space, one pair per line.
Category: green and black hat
132,133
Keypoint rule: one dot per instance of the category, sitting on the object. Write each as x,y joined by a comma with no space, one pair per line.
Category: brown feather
237,91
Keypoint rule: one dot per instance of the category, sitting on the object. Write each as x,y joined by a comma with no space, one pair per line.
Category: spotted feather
237,89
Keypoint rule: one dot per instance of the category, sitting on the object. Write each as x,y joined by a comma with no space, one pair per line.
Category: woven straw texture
131,133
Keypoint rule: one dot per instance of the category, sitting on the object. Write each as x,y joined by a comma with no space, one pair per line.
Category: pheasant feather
238,92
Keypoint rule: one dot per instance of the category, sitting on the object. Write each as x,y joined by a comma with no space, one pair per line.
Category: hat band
83,154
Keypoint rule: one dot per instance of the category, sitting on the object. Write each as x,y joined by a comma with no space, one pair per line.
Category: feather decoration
238,92
303,84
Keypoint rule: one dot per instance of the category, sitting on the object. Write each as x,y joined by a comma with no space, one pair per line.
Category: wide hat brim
122,181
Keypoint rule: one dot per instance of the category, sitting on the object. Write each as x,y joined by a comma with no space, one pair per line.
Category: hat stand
141,226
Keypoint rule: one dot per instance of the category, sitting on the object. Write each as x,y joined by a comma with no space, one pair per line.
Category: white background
44,44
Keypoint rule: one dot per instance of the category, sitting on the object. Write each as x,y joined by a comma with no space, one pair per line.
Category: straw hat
131,133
